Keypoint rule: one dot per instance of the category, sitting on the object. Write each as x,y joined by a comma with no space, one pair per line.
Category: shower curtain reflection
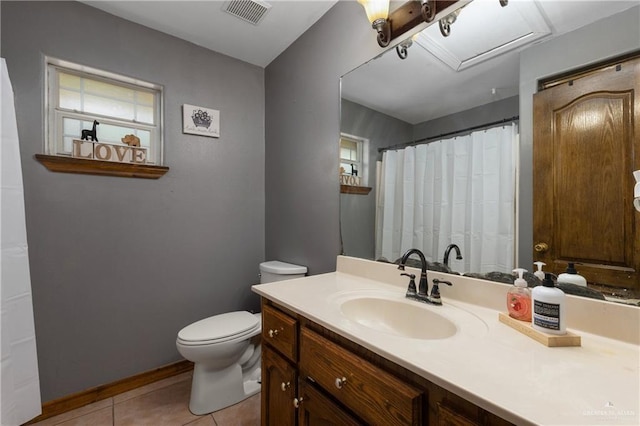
459,190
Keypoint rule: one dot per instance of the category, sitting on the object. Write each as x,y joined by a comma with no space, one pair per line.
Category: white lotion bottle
539,272
549,308
571,276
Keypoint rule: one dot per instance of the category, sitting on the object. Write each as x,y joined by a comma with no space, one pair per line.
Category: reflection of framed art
200,121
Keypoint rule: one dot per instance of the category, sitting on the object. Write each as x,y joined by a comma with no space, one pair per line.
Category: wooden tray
547,339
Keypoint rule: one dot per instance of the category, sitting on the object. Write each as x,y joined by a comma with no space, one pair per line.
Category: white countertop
493,366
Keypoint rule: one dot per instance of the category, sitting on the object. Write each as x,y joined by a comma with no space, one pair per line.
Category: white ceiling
387,84
205,23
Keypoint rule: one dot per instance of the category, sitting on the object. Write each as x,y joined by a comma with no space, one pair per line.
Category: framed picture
200,121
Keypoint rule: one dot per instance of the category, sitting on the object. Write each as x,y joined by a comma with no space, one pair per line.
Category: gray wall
302,129
357,212
478,116
119,265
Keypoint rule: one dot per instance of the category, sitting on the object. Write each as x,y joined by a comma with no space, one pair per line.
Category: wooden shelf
352,189
56,163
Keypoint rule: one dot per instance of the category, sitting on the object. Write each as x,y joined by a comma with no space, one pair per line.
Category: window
78,95
354,153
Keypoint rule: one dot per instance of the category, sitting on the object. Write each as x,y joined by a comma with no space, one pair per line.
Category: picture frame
201,121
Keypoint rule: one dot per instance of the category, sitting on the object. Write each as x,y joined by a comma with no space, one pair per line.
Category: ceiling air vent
248,10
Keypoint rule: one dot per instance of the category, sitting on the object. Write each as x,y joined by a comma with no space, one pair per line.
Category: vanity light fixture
404,18
446,22
378,12
402,48
408,16
428,10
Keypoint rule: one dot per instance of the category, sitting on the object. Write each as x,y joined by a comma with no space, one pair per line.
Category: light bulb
376,9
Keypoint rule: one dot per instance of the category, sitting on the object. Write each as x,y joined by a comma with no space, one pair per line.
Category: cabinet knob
340,382
284,386
297,402
273,333
541,247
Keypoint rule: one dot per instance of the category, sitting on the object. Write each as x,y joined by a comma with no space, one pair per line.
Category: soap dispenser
519,298
571,276
539,272
548,308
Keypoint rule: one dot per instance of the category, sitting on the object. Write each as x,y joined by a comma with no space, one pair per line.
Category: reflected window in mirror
354,152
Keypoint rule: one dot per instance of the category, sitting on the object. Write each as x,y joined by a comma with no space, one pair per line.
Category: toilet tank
274,270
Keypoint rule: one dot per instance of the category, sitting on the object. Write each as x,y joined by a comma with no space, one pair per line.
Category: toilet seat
220,328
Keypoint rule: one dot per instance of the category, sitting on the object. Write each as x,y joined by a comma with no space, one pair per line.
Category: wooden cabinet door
586,144
315,409
279,388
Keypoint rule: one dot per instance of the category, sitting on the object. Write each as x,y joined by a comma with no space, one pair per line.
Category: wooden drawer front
449,416
280,331
373,394
317,409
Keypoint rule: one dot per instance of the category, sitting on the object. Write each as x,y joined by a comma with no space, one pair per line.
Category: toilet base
213,390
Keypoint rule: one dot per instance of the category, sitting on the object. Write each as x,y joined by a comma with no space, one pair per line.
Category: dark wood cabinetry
451,417
279,388
316,409
280,331
312,376
373,394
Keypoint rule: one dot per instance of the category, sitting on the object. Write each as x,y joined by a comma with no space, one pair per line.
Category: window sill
352,189
56,163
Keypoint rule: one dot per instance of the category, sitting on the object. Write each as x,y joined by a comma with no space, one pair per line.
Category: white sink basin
390,313
399,318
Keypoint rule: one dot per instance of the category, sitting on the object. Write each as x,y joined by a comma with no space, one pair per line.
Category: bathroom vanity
319,377
348,348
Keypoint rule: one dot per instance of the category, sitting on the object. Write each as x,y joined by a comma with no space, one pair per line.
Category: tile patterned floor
164,403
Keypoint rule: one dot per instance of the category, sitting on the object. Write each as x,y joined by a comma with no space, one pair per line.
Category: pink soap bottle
519,298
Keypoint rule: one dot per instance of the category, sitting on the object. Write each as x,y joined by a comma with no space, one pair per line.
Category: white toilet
225,349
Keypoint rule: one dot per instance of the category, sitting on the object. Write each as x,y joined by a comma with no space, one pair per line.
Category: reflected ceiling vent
248,10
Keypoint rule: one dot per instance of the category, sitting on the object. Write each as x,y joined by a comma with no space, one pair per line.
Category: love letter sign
108,152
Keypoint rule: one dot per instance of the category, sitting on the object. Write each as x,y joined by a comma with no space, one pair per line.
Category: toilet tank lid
282,268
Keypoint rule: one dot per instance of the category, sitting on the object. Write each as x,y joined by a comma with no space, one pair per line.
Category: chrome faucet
448,250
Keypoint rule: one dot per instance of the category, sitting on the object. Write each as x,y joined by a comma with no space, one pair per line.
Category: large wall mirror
451,98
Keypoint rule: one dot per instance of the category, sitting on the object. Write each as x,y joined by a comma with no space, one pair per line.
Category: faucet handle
435,290
411,291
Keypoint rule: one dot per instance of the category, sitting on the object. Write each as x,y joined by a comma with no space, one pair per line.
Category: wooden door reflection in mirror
586,146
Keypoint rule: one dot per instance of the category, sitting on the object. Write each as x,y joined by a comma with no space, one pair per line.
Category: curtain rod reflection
454,133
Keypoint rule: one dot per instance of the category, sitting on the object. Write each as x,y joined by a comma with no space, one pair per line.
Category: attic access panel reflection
484,30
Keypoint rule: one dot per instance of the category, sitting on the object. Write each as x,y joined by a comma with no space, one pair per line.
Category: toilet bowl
225,350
